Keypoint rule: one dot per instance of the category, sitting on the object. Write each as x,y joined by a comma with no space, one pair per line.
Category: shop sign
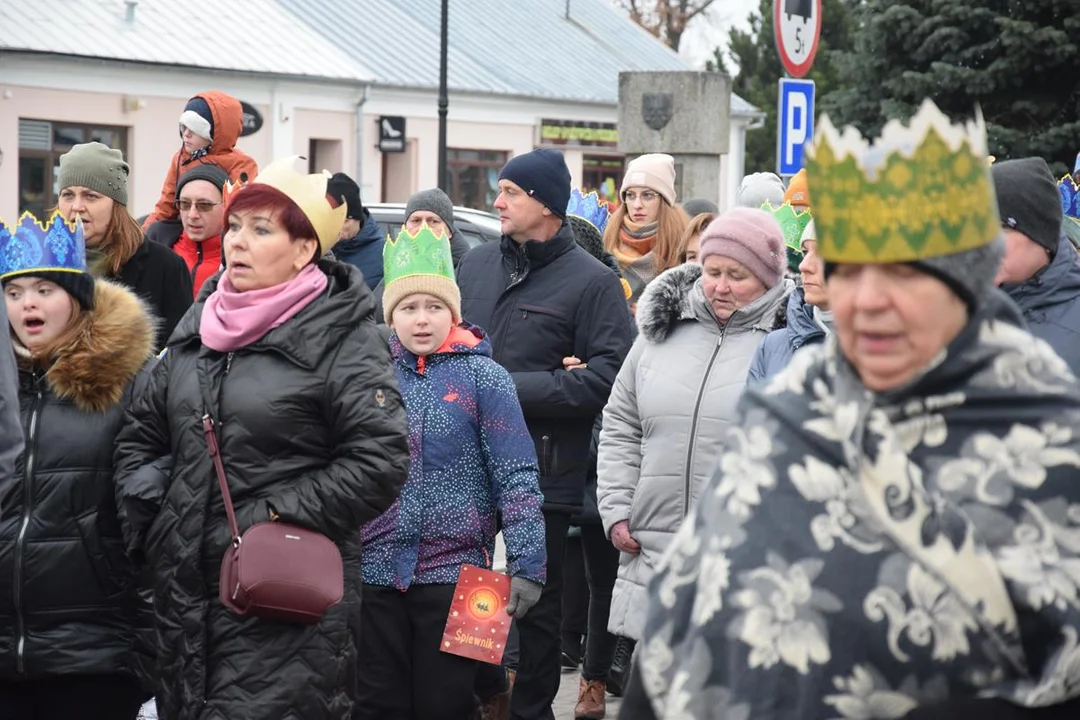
571,133
392,134
252,119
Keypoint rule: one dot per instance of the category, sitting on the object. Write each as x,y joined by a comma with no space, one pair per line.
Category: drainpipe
360,135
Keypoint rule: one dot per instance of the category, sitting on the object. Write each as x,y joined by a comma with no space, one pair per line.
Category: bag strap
215,451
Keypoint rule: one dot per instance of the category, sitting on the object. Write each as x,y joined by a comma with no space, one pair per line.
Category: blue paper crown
55,246
589,208
1070,197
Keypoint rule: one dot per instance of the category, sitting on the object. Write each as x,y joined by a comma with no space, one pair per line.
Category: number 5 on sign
795,123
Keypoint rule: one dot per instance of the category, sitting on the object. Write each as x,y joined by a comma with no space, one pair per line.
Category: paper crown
307,191
29,245
1070,197
589,208
792,222
920,191
424,253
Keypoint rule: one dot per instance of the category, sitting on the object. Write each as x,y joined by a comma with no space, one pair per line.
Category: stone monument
685,114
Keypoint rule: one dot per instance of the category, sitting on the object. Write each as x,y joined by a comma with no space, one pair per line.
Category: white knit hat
655,171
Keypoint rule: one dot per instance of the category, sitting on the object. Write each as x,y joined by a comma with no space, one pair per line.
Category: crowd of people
787,460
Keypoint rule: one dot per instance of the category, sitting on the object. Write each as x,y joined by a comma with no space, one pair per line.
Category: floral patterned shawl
858,555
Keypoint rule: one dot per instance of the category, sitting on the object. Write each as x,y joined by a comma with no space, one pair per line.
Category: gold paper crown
307,191
918,192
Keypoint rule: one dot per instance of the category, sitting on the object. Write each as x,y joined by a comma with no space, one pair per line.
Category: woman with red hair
284,355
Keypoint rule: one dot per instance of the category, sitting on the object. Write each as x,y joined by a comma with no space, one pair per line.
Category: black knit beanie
1028,200
79,285
544,176
204,171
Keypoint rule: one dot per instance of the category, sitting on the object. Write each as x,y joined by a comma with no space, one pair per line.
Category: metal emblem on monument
656,109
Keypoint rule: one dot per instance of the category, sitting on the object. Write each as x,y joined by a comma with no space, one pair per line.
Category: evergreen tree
1018,60
759,70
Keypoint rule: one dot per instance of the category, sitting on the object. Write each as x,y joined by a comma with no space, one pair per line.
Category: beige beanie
655,171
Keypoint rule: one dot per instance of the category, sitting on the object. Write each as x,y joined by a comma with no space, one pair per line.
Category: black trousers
403,674
66,697
539,668
601,568
575,599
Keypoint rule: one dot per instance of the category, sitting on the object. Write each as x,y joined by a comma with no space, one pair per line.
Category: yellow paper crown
309,194
919,191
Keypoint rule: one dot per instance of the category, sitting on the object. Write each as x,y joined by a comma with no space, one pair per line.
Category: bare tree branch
665,19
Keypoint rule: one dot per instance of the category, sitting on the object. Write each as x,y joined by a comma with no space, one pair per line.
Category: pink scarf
232,319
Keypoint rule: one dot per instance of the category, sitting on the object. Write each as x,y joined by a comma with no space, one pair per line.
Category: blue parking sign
795,124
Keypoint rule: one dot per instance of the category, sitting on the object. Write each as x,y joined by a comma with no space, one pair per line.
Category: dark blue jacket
1050,302
365,251
779,346
541,302
469,456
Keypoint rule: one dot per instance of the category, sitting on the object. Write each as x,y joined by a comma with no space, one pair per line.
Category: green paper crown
918,192
792,222
424,253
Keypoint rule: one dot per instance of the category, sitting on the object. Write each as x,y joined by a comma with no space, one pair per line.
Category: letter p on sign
795,124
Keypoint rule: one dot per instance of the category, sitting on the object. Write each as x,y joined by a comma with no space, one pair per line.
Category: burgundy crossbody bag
275,571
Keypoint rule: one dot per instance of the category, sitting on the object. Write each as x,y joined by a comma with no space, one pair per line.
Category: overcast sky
708,32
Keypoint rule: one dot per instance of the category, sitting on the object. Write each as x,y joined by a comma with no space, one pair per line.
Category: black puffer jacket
312,426
161,278
541,302
66,589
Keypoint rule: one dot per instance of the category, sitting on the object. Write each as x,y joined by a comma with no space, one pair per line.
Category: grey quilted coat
671,404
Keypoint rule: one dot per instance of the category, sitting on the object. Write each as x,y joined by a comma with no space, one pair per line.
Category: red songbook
478,626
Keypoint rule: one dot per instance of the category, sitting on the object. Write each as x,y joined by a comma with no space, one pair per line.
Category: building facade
330,91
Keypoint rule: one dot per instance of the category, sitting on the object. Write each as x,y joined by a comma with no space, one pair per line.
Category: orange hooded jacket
228,122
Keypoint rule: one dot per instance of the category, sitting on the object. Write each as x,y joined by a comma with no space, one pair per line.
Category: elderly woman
891,531
675,395
312,432
93,180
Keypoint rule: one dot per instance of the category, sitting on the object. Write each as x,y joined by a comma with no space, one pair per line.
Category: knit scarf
635,241
233,319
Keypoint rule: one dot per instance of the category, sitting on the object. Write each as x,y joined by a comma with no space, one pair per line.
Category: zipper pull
524,314
228,363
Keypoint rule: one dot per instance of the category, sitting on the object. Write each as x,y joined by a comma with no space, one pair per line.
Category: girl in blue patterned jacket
471,458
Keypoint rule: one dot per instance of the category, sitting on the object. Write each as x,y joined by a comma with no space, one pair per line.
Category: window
602,171
474,176
41,143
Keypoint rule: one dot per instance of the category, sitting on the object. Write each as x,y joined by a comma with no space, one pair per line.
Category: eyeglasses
646,196
203,206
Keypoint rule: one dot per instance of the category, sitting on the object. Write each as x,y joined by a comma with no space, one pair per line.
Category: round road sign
797,24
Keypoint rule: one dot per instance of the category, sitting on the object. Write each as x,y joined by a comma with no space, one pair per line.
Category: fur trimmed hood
114,341
668,300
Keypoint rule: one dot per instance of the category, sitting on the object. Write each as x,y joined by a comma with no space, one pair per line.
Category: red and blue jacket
471,463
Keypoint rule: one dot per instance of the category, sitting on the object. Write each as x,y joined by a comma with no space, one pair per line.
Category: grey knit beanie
95,166
435,201
1028,199
969,273
756,189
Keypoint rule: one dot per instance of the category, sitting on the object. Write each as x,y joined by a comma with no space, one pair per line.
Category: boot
591,701
498,707
620,666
